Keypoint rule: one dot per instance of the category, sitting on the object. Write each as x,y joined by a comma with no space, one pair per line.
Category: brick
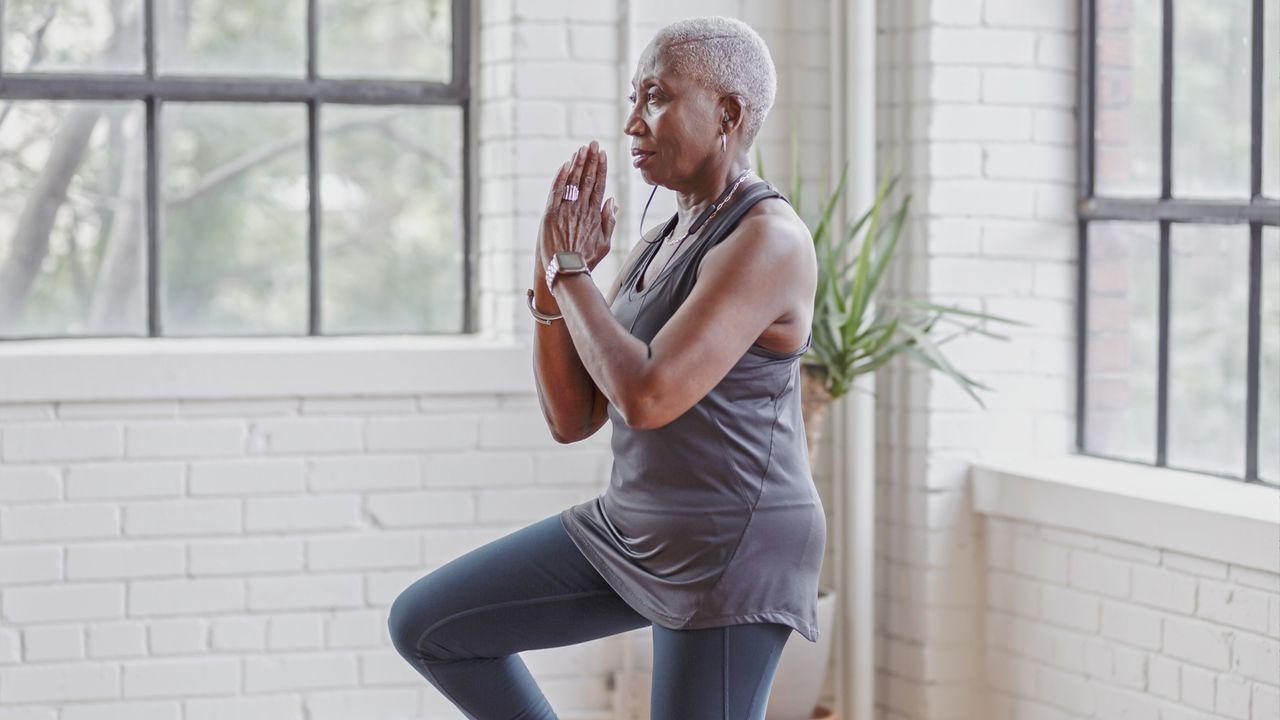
1028,86
1256,657
283,707
1068,691
58,522
423,509
62,443
295,632
299,672
482,469
520,504
381,703
306,592
593,42
125,560
362,473
182,518
364,551
1070,608
360,629
185,439
1164,589
277,436
977,123
1235,606
123,711
444,432
1197,687
18,485
1040,15
245,556
1259,579
237,634
980,46
1099,574
46,643
67,601
187,636
1130,667
180,678
185,597
1130,624
1018,161
96,482
248,477
1036,559
117,640
1232,697
10,647
36,564
302,513
1197,642
1266,703
1164,677
59,683
1200,567
1117,703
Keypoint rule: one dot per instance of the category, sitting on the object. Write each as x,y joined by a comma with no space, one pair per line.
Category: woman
711,531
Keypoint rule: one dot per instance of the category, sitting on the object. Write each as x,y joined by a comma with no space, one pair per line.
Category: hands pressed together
585,224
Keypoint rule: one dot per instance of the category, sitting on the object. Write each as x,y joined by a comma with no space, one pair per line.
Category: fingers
598,178
608,218
579,163
556,196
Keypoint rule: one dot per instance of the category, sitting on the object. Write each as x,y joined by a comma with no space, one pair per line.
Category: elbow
638,412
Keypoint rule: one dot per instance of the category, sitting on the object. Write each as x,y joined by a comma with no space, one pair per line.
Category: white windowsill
1190,513
123,369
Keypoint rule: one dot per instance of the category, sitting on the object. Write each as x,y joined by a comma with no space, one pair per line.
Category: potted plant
849,340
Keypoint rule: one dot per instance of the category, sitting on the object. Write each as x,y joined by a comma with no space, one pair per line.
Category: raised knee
411,615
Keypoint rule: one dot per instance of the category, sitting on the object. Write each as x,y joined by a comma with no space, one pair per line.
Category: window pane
232,37
72,219
1120,363
1208,346
1127,129
1211,95
1271,101
392,237
1269,385
235,219
72,35
401,39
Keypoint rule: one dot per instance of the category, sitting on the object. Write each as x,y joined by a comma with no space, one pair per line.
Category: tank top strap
720,228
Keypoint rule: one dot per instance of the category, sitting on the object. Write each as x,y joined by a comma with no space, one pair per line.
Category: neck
705,188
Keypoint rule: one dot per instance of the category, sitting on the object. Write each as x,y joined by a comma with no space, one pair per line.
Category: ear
733,111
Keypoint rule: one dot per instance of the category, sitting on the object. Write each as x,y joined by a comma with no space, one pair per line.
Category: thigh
529,589
721,672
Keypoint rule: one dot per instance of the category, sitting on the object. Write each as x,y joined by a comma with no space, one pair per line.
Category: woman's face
672,118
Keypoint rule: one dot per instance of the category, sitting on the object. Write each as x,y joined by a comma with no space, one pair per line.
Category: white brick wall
976,110
1126,630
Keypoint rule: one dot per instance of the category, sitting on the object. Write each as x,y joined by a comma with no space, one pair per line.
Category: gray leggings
461,626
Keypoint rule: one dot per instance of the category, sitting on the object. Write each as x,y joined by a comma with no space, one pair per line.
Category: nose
633,125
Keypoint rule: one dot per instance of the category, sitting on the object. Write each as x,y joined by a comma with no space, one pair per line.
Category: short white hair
726,56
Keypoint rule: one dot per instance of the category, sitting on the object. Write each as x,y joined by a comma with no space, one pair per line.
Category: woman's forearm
566,391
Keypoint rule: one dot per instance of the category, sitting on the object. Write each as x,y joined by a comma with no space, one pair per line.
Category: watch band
554,270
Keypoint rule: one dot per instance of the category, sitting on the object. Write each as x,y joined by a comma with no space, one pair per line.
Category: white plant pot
797,683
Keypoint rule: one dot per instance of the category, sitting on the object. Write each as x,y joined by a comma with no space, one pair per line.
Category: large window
233,167
1179,316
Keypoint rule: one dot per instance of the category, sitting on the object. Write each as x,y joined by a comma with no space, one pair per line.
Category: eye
648,97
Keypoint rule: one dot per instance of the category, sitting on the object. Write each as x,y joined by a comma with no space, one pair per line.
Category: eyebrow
651,78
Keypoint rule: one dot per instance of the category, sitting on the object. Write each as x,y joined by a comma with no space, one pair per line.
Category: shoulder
769,229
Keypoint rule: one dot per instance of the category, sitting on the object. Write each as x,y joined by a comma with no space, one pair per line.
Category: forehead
653,66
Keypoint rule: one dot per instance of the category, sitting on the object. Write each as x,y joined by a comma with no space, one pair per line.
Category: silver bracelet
540,317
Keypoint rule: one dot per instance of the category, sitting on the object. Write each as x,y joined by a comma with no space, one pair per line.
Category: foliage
848,337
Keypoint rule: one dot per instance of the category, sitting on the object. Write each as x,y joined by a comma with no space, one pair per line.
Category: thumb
609,217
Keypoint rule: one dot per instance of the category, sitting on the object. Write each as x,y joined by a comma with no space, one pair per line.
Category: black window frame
1256,212
153,90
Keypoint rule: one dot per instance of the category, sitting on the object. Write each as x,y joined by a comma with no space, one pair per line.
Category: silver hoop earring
724,139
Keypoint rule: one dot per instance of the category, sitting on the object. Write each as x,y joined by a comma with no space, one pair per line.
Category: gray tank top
712,519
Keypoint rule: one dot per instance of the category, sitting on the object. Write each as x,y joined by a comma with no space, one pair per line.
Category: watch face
570,260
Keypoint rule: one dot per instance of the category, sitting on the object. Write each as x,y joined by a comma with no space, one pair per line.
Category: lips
638,157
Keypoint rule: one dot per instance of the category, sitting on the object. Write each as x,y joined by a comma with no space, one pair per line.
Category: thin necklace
694,228
715,209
